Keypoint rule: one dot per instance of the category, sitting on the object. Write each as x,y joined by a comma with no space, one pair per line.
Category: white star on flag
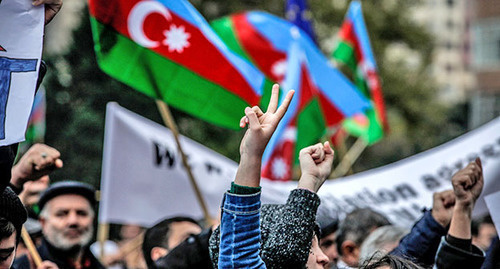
279,68
176,38
279,168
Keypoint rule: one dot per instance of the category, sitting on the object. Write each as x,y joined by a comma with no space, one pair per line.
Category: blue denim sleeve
421,244
240,232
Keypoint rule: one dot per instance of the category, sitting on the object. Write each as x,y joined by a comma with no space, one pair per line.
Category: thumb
478,162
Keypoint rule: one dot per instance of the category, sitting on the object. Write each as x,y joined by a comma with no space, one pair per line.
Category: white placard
21,34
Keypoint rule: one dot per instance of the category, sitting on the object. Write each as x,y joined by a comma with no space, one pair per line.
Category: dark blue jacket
421,244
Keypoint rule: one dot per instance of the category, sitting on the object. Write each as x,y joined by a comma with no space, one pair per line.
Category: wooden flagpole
170,123
31,247
102,236
349,158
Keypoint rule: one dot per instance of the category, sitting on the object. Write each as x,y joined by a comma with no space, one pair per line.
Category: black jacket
51,253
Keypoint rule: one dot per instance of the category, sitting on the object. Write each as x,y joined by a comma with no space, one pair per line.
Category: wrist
463,206
17,178
248,173
462,210
309,182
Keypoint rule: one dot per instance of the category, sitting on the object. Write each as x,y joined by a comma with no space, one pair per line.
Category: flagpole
31,247
102,236
350,158
170,123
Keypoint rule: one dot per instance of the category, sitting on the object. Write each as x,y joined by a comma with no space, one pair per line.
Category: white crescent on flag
137,17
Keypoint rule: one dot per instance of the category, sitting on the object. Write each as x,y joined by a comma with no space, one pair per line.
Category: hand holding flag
261,127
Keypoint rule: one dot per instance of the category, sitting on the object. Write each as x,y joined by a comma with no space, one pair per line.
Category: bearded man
67,216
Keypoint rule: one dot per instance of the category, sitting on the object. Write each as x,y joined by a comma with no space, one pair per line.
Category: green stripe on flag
158,77
225,30
344,53
371,133
310,126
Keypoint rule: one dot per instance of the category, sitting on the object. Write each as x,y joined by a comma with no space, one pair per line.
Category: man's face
317,259
7,251
68,221
329,247
180,231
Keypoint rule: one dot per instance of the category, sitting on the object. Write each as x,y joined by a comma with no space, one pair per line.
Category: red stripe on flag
269,60
199,55
348,35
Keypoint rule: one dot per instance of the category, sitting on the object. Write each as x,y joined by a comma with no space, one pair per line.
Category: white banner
144,181
21,34
400,190
143,178
493,203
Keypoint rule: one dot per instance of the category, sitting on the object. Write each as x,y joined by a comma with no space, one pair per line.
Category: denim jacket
240,232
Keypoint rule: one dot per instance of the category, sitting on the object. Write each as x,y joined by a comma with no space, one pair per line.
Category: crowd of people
59,218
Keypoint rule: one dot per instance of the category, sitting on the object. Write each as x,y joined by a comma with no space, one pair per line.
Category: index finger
273,102
284,106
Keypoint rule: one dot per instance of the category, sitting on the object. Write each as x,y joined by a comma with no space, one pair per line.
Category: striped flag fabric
264,39
302,125
326,96
35,133
354,51
166,50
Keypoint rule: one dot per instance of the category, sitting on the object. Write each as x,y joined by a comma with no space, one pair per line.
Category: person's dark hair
476,223
157,236
357,225
329,229
394,262
12,211
6,228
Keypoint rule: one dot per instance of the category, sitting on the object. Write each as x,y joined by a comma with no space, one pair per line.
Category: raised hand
442,207
468,184
38,161
315,165
261,127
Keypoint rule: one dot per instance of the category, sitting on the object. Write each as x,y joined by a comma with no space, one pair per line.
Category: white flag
21,34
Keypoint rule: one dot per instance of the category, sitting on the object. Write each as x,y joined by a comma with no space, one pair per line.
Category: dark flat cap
67,187
12,209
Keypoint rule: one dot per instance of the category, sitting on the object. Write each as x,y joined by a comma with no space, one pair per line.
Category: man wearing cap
66,215
12,216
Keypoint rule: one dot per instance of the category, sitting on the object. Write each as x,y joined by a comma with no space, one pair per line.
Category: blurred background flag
298,13
326,95
354,51
36,123
304,123
264,39
168,51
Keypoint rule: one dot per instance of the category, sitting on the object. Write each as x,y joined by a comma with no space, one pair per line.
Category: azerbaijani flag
326,96
168,51
302,125
264,39
354,51
35,133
